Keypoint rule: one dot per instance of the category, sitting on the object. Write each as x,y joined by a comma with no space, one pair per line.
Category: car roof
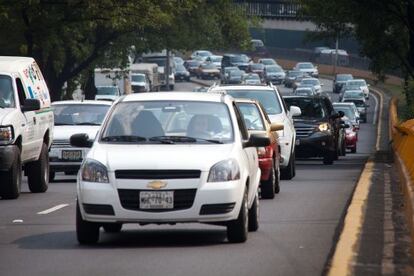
173,96
89,102
11,64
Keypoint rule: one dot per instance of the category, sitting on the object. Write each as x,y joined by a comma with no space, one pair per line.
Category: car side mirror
80,140
30,105
276,127
295,111
256,140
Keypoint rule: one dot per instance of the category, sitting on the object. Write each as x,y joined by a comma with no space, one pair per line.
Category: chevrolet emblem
157,184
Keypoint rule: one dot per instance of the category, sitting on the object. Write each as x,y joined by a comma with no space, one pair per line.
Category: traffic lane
295,235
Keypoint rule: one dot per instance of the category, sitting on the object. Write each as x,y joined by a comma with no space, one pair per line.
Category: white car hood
64,132
160,156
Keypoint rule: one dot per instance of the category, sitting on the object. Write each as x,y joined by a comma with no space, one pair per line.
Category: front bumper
7,156
211,194
315,145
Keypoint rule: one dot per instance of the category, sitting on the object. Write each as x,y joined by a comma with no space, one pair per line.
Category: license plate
72,155
156,200
297,143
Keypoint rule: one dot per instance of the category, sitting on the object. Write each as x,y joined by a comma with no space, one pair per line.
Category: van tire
38,172
237,230
12,179
254,215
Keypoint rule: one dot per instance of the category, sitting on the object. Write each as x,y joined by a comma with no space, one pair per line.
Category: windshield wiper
172,139
63,124
88,124
123,138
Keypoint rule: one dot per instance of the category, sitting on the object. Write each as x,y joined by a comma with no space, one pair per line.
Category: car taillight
265,152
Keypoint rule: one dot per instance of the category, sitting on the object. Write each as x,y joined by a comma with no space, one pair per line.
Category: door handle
23,125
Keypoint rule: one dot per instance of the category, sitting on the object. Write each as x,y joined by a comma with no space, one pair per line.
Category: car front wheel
38,172
254,215
268,186
237,229
86,232
11,179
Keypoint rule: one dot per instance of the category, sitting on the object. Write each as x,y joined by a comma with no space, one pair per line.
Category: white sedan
169,158
313,82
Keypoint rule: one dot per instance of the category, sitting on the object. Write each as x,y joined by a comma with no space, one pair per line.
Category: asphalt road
296,234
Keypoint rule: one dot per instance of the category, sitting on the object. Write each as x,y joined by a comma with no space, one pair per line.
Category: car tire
289,172
254,215
52,176
237,230
277,180
38,172
268,186
343,148
112,227
12,179
86,232
329,157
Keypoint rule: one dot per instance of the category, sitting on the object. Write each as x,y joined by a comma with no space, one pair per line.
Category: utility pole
167,70
336,53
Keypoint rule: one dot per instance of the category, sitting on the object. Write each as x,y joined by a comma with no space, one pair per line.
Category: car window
109,90
79,114
251,115
6,92
149,119
310,107
347,111
267,98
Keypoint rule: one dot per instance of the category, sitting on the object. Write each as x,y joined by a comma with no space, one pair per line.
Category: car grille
61,143
157,174
183,199
304,131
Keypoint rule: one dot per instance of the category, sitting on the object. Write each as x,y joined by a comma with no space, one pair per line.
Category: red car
351,137
257,122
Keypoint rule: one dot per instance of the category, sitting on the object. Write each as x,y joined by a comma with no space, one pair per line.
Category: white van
26,126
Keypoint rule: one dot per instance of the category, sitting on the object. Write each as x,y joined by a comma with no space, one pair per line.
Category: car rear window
310,107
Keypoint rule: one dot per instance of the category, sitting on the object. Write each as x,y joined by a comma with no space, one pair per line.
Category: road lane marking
374,120
50,210
379,128
347,246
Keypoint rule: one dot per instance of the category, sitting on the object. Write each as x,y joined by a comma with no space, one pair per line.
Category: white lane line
50,210
374,120
379,126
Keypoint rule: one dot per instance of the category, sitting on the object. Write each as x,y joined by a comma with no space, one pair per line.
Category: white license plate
297,143
72,155
156,200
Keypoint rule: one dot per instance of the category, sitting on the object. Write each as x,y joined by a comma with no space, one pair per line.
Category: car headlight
6,135
226,170
323,127
94,171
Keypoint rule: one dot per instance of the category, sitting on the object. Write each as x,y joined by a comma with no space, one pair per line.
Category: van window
20,91
6,92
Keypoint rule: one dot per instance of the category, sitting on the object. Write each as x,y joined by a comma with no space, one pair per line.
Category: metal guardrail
272,9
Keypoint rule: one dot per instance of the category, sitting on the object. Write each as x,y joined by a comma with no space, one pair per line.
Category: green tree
69,38
384,28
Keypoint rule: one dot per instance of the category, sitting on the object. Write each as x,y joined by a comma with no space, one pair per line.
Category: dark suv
241,61
319,129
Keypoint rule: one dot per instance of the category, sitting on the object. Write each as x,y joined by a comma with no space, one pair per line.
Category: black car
319,130
181,73
241,61
340,80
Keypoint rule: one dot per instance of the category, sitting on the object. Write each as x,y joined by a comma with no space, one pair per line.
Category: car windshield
357,83
309,82
204,53
257,43
107,90
353,94
180,68
311,108
305,66
6,92
274,69
267,98
208,66
257,66
346,110
294,73
343,77
251,115
216,59
268,61
169,122
358,103
138,78
237,59
79,114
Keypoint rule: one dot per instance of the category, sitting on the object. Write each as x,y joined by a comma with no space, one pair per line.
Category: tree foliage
384,28
69,37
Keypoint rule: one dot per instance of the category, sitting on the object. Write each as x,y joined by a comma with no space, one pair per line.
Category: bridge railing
272,9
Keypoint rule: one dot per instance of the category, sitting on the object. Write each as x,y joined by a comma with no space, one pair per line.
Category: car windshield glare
138,78
310,108
109,90
267,98
168,122
6,92
79,114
